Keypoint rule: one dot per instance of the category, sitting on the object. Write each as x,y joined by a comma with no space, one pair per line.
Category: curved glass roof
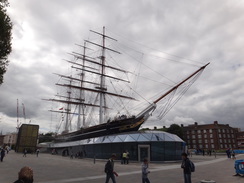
138,136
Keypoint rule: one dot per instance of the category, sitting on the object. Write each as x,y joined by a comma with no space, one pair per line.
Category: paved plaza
57,169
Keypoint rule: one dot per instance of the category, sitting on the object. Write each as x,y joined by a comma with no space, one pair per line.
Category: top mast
102,82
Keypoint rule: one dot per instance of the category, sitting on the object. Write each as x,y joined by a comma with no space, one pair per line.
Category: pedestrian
127,157
186,168
145,172
233,154
37,152
124,157
121,157
109,169
25,175
2,154
71,155
25,152
228,153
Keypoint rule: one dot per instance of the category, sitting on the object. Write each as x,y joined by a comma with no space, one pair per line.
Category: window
199,136
206,141
220,135
212,146
210,130
211,135
193,136
198,131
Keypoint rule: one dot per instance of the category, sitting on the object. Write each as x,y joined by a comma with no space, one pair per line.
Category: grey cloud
200,31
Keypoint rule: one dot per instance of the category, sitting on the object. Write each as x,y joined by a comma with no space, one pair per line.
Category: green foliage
144,129
175,129
48,137
5,38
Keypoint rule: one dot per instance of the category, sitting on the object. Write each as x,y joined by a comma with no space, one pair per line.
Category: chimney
195,123
215,122
155,128
182,125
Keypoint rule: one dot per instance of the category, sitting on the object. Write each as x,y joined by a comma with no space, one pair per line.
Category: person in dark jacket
25,175
109,169
2,154
186,168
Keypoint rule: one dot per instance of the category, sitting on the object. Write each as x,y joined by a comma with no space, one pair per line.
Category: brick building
1,140
210,136
240,139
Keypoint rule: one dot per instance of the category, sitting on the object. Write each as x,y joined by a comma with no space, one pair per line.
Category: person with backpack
109,169
187,167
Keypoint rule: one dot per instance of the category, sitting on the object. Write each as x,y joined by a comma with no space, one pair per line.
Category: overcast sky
203,31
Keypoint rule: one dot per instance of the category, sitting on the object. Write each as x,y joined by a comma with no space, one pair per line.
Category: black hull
110,128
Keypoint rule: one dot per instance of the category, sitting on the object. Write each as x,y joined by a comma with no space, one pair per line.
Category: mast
82,107
67,121
102,88
102,82
153,105
176,86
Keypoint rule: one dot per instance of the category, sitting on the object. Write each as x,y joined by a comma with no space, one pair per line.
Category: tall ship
96,96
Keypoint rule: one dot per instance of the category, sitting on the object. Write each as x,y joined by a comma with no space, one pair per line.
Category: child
145,171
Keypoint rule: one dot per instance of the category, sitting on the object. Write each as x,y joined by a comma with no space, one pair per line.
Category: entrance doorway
143,152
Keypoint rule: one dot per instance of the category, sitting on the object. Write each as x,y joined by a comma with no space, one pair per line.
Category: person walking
37,152
233,156
109,169
2,154
145,172
25,152
127,157
124,157
186,168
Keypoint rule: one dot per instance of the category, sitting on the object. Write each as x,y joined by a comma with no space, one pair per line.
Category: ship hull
109,128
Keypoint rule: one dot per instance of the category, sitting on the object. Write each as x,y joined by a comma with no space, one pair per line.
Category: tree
175,129
5,38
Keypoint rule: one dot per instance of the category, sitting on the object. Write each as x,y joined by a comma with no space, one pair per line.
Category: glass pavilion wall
155,145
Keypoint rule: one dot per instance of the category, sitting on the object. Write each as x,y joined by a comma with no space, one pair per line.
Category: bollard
207,181
94,159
